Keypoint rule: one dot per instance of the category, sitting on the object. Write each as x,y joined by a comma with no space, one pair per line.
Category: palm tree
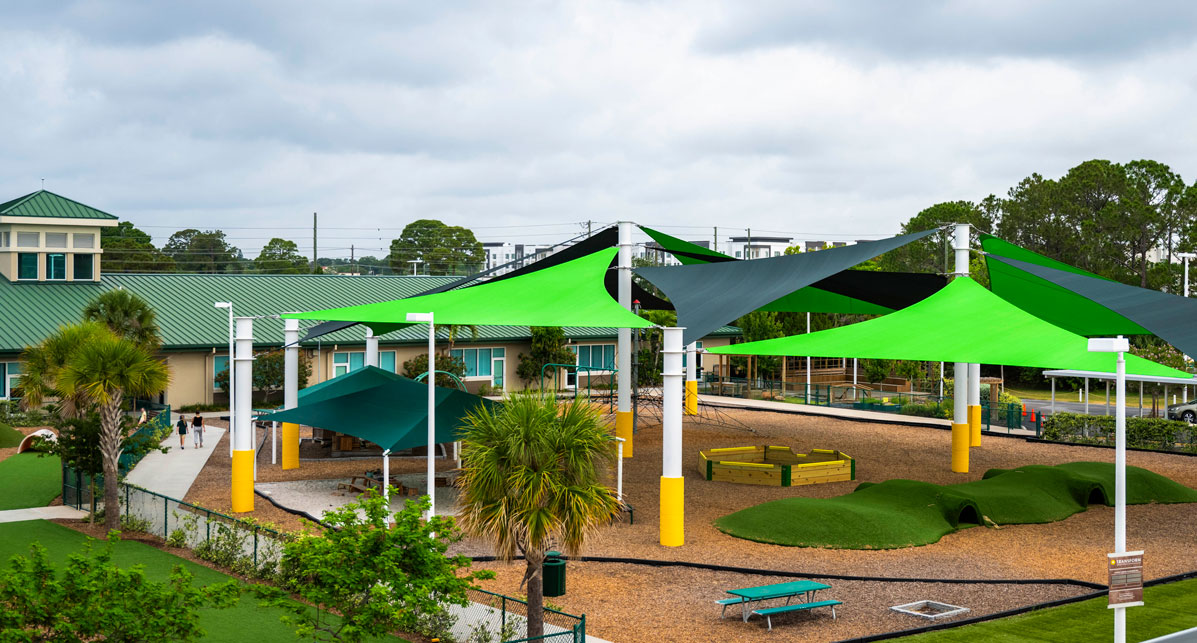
127,314
43,363
103,371
532,477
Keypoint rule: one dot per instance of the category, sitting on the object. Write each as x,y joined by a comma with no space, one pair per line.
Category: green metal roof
46,204
183,302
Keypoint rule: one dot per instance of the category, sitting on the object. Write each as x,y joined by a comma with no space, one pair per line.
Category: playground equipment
775,466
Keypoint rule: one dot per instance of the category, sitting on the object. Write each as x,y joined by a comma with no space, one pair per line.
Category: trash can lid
552,554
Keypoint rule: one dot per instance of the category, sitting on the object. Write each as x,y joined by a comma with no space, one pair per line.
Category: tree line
426,246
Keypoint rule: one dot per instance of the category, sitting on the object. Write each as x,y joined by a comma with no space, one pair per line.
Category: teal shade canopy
568,294
964,322
381,407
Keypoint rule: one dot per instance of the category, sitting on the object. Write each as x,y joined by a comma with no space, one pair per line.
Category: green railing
610,372
511,615
77,486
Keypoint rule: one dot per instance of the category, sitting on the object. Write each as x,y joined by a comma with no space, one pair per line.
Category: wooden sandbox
775,466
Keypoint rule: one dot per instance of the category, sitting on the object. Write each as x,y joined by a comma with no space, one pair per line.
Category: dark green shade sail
685,252
707,296
964,322
569,294
1047,300
380,407
1169,317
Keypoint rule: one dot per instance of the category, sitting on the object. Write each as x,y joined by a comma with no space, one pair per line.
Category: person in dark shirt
182,426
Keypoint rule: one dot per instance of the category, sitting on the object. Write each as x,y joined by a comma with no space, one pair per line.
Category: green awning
964,322
1046,300
569,294
380,407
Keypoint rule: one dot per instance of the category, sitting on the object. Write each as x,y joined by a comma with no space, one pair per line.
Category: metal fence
498,618
77,486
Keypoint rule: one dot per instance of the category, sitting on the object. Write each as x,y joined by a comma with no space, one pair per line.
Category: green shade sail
1047,300
964,322
684,251
380,407
569,294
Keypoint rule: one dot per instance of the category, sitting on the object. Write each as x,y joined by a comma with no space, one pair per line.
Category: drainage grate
932,610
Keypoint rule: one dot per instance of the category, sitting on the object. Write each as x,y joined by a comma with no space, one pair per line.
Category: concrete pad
41,513
172,473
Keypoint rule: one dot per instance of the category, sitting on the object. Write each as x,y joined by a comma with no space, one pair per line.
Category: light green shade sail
680,249
964,322
569,294
1048,301
809,299
380,407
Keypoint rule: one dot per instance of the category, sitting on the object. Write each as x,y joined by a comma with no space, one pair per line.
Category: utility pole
748,250
588,228
315,257
351,258
716,247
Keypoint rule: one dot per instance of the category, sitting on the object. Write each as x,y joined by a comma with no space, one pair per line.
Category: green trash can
554,574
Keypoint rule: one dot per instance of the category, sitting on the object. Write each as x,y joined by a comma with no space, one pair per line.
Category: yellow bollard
623,429
290,446
974,426
691,397
959,448
673,512
243,481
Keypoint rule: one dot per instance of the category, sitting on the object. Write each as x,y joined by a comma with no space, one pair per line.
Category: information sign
1126,579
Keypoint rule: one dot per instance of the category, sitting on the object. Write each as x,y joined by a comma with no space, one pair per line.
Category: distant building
755,247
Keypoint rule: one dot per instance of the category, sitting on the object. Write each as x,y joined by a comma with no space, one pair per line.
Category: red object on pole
1032,415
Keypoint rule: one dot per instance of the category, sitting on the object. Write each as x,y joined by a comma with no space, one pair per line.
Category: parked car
1186,411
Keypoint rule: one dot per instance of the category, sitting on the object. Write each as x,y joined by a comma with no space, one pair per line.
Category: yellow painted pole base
959,448
243,481
673,512
290,445
623,429
974,426
691,397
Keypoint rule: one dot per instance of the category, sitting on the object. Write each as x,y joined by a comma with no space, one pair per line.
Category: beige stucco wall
191,381
8,254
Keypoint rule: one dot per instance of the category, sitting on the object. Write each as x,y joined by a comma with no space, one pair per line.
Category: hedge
1141,433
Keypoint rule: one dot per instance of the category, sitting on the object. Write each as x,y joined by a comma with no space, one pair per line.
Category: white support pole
940,381
429,318
806,398
672,525
961,425
243,439
623,348
1107,398
619,468
691,397
371,358
290,392
386,480
232,386
856,363
1140,399
1086,396
1053,395
274,443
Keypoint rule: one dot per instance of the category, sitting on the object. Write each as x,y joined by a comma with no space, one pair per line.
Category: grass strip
29,481
10,437
243,622
905,513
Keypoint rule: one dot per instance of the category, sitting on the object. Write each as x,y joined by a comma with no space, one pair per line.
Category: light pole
232,408
1118,345
428,319
1186,256
414,263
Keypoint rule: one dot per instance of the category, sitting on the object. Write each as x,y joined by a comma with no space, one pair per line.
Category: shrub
201,408
1141,433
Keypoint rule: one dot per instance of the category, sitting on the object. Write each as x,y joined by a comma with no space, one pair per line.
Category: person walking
182,426
197,431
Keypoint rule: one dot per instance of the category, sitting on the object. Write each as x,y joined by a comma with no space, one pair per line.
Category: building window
737,254
84,268
220,364
28,239
56,239
349,361
10,379
27,266
85,240
596,355
55,266
482,362
5,239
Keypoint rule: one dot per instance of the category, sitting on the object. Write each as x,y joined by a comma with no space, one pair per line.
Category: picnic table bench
747,596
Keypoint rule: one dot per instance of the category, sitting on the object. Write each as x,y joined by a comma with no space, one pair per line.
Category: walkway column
371,348
692,378
623,347
960,389
243,448
974,405
672,483
290,391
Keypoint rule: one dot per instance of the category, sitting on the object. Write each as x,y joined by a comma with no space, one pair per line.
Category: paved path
172,473
40,513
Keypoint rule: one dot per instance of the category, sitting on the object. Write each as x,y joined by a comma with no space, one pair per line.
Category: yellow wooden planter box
775,466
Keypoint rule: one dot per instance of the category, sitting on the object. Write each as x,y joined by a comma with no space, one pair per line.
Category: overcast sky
522,120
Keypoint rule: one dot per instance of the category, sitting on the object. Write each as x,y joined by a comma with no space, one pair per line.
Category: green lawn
29,481
9,437
1168,608
244,622
1097,395
904,513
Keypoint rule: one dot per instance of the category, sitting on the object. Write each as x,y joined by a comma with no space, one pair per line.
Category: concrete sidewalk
172,473
41,513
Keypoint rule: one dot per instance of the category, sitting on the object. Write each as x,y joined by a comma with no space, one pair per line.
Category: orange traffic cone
1032,417
1024,410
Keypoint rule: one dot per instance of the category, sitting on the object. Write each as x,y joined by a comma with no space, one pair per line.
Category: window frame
49,274
36,266
87,260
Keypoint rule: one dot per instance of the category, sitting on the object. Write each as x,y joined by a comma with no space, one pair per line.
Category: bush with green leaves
418,366
92,599
1141,433
377,577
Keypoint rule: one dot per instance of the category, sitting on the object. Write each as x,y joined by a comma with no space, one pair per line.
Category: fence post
503,615
208,526
255,546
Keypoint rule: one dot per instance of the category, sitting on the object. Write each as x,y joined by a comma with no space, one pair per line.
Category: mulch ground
626,602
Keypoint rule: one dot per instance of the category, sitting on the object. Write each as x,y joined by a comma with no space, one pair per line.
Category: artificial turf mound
906,513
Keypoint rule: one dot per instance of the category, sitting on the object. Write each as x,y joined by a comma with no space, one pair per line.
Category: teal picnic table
747,596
